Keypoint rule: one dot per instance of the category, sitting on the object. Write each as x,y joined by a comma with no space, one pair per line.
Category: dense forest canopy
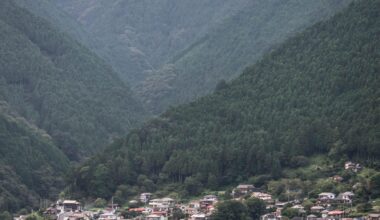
59,102
227,49
31,166
317,93
61,86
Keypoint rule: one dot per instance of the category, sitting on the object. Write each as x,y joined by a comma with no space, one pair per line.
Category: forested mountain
60,86
230,47
142,35
317,93
173,51
31,166
47,10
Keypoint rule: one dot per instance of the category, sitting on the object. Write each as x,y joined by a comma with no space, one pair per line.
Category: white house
213,198
326,195
317,209
199,216
68,206
145,197
263,196
300,208
346,197
155,217
162,204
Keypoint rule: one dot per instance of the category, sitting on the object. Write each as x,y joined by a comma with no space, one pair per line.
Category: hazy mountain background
316,94
142,35
171,52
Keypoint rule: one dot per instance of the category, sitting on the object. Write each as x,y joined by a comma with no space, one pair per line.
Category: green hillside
227,49
31,166
60,86
317,93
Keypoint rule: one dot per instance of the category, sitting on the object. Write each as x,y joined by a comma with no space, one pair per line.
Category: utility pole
113,211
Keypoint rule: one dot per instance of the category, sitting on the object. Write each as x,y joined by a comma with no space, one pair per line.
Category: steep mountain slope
60,86
318,93
31,166
142,35
226,50
170,51
57,17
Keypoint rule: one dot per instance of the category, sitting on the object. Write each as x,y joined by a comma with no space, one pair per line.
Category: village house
207,204
349,165
145,197
245,188
280,204
162,207
192,208
81,216
317,209
311,217
326,198
242,190
337,178
162,214
345,197
199,216
21,217
51,211
155,203
279,207
213,198
208,209
373,216
113,206
326,195
267,198
140,210
76,216
325,213
133,203
355,167
68,206
155,217
271,216
336,214
300,208
208,200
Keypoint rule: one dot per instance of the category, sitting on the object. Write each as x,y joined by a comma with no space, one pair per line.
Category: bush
230,210
299,161
364,207
290,213
6,216
256,208
100,203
